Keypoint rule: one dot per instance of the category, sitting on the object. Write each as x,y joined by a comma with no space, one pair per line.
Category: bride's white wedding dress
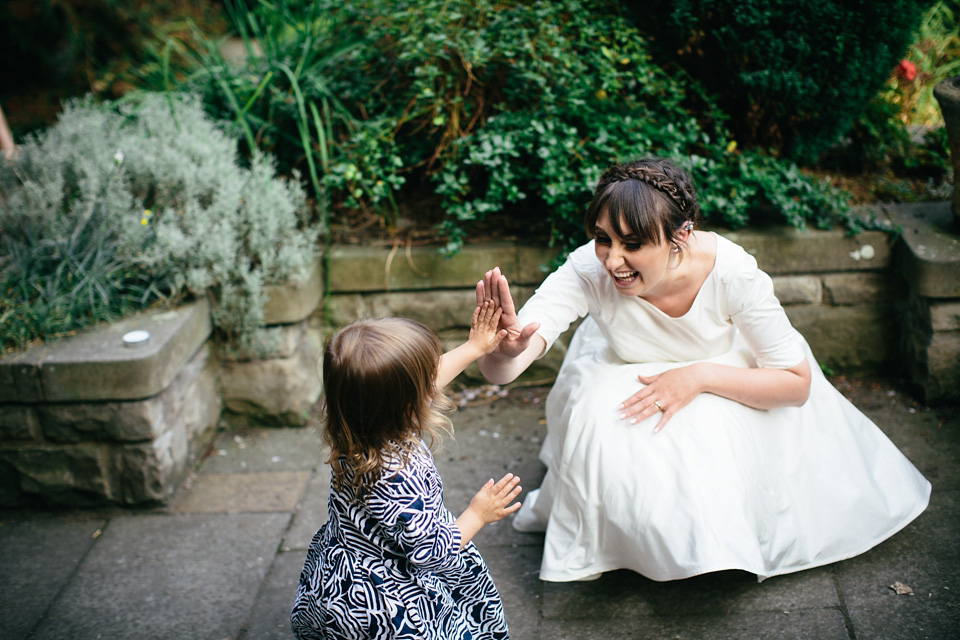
723,486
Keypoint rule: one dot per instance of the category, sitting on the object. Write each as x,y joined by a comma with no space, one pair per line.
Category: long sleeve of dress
754,309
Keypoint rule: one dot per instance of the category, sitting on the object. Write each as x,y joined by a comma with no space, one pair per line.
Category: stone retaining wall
88,420
842,301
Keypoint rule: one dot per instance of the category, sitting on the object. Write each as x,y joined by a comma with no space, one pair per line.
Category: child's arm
484,338
491,503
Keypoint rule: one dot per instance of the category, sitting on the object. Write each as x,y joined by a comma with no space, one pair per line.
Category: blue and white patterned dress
390,566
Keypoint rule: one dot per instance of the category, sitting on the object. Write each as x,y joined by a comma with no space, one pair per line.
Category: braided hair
653,197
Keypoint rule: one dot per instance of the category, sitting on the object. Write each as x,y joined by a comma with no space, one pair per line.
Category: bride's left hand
664,393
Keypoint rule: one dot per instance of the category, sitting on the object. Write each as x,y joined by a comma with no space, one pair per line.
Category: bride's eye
601,239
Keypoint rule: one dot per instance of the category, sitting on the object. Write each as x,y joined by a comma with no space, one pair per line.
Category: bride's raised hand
495,287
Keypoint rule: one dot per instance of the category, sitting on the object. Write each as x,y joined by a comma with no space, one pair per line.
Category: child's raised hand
484,334
493,501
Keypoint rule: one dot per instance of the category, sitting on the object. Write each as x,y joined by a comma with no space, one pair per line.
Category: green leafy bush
497,109
795,74
118,207
518,109
274,82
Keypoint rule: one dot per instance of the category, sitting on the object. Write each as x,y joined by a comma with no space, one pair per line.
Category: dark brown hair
380,397
654,197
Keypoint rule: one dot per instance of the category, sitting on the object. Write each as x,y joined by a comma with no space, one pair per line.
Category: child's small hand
493,501
483,327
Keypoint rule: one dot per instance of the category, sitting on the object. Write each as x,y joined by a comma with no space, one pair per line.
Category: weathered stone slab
243,492
279,391
135,420
863,288
945,316
132,421
63,475
798,289
279,341
150,471
354,269
849,340
439,310
929,253
18,422
20,375
95,365
943,366
294,301
79,463
780,250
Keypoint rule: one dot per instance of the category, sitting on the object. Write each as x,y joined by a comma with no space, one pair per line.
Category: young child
391,561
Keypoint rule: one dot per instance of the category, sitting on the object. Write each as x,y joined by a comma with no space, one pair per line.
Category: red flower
906,70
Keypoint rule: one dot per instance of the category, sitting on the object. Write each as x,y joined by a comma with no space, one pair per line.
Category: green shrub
279,94
517,109
499,109
118,207
793,74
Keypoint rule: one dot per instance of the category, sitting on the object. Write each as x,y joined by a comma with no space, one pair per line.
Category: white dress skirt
722,486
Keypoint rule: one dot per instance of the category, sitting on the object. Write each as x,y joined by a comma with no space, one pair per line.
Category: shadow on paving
222,560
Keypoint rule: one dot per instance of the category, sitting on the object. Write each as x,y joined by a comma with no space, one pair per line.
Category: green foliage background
456,113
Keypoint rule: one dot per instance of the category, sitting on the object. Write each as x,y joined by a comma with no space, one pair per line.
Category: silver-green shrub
119,207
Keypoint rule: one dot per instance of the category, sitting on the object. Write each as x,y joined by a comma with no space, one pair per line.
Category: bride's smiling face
636,268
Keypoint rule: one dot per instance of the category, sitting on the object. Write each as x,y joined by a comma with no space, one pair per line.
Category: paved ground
221,562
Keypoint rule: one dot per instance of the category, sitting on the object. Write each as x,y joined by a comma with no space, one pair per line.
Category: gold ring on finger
658,405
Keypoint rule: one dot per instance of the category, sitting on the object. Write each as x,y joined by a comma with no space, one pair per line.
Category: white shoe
526,519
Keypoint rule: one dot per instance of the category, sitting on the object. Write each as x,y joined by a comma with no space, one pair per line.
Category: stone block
438,309
781,250
103,421
20,375
945,316
849,340
137,420
95,365
280,391
18,422
277,341
863,288
150,472
62,475
177,425
929,251
295,301
798,289
942,383
358,269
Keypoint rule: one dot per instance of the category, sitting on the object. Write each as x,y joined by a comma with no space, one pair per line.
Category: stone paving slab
820,624
164,573
311,512
242,492
270,617
248,449
163,576
30,581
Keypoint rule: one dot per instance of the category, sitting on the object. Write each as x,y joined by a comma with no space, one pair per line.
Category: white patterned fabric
723,486
390,566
